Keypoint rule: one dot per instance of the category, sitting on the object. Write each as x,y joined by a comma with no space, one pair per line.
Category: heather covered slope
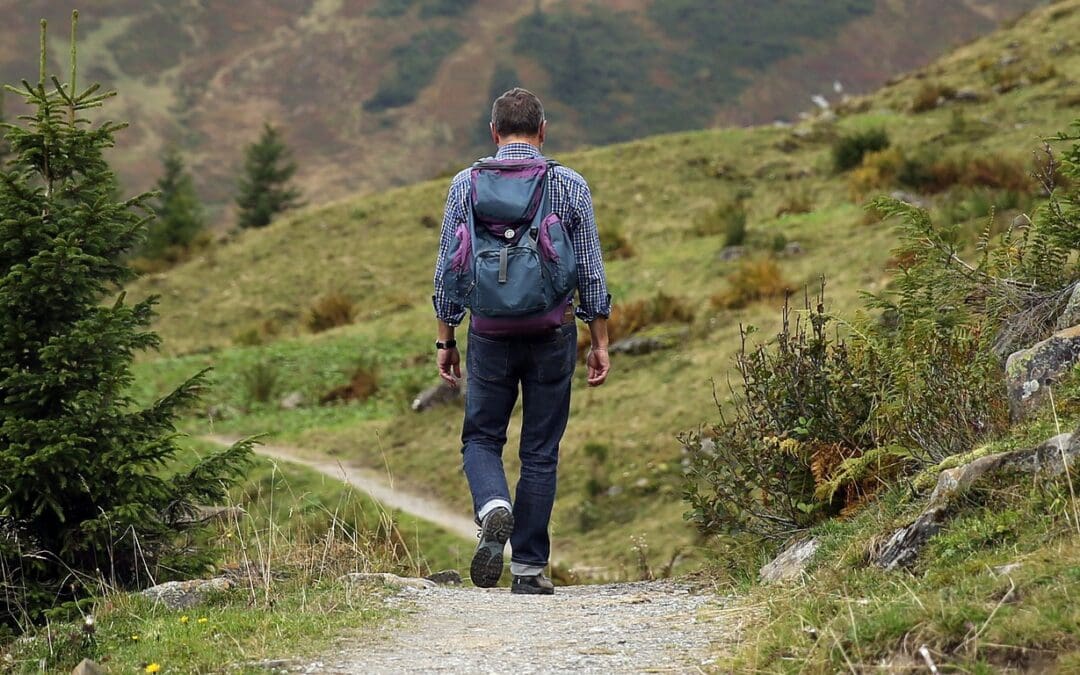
664,199
378,93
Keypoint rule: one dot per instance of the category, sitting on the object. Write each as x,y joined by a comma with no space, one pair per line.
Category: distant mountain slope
379,93
242,307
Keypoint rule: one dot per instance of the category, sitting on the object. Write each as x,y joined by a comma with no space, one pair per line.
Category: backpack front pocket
509,282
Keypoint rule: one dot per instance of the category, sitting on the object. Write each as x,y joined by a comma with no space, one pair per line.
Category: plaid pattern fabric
571,200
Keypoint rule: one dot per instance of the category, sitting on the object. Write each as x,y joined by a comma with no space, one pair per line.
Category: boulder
1044,460
387,579
638,346
292,401
1028,372
1070,316
792,249
437,395
791,563
909,198
184,594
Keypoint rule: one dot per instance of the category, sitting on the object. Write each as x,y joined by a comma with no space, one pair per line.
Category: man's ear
543,132
494,134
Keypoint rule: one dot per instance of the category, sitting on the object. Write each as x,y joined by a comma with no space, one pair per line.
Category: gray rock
967,96
731,253
1028,372
1044,460
185,594
385,578
437,395
292,401
88,667
792,249
1070,316
791,563
445,578
638,346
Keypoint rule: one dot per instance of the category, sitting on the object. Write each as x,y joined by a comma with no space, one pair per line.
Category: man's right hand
449,361
599,364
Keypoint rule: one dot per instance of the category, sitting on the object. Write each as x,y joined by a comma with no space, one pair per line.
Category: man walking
534,354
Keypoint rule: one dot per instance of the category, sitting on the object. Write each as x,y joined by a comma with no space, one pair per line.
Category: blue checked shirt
571,200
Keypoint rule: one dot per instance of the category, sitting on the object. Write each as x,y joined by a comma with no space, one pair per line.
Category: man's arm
598,362
448,313
449,360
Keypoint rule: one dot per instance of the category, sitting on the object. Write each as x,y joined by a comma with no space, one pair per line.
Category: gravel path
371,482
657,626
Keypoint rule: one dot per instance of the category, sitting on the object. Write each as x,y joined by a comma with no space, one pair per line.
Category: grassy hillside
664,204
380,93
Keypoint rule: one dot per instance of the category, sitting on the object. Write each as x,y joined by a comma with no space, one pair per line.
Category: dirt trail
659,626
371,482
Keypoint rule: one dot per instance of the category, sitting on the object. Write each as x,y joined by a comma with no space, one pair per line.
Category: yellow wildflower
134,637
203,619
152,668
183,619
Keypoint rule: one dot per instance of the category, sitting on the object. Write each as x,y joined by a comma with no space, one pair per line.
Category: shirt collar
517,151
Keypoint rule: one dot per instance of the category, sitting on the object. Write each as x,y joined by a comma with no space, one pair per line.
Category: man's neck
528,140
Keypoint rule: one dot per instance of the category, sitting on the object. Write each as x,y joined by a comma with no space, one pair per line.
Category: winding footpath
650,626
657,626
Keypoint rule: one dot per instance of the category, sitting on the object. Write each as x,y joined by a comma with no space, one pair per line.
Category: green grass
971,617
308,529
378,250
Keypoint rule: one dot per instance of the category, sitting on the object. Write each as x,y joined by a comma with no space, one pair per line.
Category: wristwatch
449,344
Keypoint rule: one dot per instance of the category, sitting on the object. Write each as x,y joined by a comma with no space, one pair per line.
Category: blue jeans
543,367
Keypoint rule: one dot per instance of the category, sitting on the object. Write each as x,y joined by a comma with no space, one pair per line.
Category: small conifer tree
87,494
264,189
179,213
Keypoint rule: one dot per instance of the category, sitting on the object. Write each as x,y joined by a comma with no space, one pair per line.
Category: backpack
511,263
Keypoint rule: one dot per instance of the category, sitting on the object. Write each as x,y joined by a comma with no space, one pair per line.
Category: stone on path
446,578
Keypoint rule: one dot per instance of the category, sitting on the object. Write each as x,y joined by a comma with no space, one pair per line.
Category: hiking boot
487,562
536,584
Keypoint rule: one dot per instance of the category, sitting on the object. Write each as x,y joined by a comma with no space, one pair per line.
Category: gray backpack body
512,262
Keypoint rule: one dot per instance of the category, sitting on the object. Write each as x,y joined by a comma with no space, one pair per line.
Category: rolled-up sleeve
593,297
446,310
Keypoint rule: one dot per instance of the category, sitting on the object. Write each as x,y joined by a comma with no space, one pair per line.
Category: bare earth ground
657,626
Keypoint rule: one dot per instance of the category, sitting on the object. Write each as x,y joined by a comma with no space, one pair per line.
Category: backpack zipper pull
503,262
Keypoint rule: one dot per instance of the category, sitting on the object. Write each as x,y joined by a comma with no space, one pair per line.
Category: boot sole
487,563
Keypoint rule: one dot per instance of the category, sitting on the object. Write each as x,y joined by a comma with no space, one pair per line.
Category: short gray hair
518,112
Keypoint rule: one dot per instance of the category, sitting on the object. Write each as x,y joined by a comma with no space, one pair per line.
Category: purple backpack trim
489,327
461,256
526,178
546,247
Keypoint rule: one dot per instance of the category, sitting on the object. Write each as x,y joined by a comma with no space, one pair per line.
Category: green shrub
728,218
800,411
752,281
330,311
848,150
260,381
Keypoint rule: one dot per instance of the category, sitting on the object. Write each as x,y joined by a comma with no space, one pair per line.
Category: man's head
518,116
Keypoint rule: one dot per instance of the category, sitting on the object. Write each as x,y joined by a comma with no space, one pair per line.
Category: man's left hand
449,361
